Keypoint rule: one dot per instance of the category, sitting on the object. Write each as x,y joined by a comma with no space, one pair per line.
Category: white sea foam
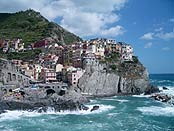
108,99
170,90
141,95
102,108
93,101
17,114
157,111
122,100
119,100
13,115
161,81
112,114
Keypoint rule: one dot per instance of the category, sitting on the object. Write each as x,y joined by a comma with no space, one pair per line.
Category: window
74,82
74,78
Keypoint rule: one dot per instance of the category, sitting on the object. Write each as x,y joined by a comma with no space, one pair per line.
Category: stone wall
10,75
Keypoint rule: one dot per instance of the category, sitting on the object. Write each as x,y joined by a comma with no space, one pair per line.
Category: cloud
113,31
158,33
165,48
148,45
147,36
171,20
159,29
165,35
85,18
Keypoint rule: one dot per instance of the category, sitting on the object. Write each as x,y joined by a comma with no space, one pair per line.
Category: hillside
31,26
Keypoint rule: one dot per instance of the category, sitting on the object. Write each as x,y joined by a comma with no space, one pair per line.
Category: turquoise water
129,113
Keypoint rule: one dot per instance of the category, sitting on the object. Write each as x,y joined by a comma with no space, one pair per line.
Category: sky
148,25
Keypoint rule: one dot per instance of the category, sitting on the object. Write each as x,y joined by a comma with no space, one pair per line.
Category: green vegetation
112,58
27,55
135,59
113,67
31,27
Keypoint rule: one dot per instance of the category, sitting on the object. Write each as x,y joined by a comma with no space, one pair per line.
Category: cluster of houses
66,63
17,45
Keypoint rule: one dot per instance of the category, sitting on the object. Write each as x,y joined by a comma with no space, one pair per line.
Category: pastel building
91,48
96,47
127,52
77,51
100,49
37,70
59,67
74,76
48,75
90,59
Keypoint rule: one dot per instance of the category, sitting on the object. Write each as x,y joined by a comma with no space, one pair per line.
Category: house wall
74,76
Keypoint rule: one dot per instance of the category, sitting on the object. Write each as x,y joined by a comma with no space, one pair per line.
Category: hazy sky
148,25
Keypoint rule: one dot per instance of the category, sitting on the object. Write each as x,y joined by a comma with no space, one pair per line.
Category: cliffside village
61,63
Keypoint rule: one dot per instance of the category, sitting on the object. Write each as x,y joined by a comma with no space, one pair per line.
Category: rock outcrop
98,81
37,100
151,89
162,97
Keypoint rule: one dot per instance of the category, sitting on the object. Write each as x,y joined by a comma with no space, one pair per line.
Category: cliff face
97,81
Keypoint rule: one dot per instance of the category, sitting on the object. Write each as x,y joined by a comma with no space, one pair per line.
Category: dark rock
42,109
95,108
151,89
165,88
69,101
14,105
84,108
50,91
22,93
62,92
161,97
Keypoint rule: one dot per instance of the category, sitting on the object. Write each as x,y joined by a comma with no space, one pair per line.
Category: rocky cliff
99,80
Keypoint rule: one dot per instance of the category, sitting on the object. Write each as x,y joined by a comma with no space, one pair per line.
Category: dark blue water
123,113
162,79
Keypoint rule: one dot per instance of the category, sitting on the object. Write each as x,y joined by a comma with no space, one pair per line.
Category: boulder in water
151,89
84,108
165,88
95,108
161,97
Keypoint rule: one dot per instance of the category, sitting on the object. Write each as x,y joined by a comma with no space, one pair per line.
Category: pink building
74,76
48,75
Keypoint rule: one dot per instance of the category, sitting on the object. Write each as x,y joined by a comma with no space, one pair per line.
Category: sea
118,113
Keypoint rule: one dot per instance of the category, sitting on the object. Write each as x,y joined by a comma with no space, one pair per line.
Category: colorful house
74,76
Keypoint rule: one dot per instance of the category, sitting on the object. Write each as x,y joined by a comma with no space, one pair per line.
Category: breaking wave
119,100
169,91
17,114
157,111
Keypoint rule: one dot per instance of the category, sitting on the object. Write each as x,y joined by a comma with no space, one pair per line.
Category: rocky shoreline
163,97
40,101
31,100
